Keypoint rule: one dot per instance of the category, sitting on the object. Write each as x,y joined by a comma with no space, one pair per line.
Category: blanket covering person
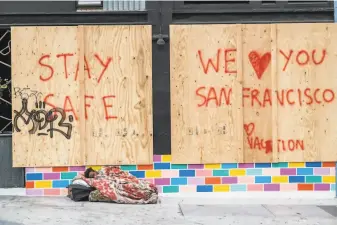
114,185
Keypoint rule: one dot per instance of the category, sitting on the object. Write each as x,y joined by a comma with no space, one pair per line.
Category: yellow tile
95,167
43,184
152,173
279,179
237,172
212,166
296,164
329,179
166,158
220,188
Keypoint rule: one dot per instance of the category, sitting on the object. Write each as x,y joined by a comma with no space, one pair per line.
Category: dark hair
87,172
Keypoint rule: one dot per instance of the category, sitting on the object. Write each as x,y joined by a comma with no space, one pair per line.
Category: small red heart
260,64
249,128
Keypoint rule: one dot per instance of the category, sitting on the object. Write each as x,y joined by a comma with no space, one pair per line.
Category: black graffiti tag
40,119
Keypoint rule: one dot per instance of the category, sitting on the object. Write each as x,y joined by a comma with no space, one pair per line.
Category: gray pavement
170,211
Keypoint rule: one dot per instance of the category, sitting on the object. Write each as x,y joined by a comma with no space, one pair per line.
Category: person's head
90,173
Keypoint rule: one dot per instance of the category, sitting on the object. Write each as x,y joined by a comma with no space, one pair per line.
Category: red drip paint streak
46,60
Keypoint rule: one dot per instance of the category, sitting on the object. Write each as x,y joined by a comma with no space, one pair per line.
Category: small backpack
78,192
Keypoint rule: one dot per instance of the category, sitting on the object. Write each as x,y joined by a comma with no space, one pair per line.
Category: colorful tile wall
226,177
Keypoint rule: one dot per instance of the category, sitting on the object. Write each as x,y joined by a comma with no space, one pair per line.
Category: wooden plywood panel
258,75
206,93
44,67
118,90
306,83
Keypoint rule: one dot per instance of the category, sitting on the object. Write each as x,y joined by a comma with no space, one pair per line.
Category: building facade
312,177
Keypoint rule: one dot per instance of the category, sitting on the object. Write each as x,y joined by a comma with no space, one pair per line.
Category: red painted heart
249,128
260,64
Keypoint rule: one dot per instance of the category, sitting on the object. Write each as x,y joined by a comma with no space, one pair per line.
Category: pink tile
160,189
170,173
255,187
288,187
332,171
246,180
43,169
271,171
188,188
55,191
30,169
151,180
63,191
204,173
321,171
156,158
34,192
195,180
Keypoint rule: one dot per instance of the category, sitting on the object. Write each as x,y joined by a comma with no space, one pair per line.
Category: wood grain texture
128,138
256,39
314,123
29,44
213,133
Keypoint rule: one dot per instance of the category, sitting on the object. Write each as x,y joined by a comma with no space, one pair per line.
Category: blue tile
162,166
305,171
262,165
138,174
238,187
179,181
34,176
186,173
313,164
60,183
333,187
263,179
229,165
204,188
253,172
296,179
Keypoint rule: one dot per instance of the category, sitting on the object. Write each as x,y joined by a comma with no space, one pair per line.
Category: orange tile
52,191
305,187
30,184
329,164
60,169
145,167
212,180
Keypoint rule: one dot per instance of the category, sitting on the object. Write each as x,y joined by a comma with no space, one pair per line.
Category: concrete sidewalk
170,211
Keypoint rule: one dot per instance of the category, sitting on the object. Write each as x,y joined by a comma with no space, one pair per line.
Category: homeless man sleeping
111,184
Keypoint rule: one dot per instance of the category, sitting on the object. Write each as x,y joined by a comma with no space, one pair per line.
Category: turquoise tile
170,189
253,172
68,175
280,165
313,179
238,187
179,166
220,173
229,165
129,167
333,187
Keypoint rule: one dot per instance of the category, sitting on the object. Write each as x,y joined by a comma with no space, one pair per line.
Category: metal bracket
160,38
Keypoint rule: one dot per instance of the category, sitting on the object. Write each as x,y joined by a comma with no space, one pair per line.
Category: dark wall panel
10,177
37,6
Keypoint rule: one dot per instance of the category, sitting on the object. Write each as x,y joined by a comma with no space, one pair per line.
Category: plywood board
44,63
118,90
257,92
206,93
307,82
